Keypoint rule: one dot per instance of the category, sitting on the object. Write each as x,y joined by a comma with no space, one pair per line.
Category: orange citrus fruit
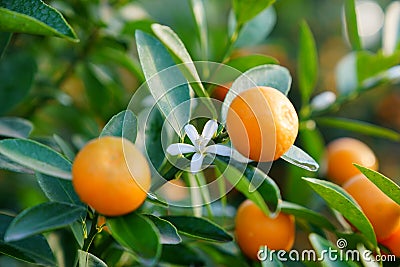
381,211
262,123
220,91
254,229
393,242
111,175
342,153
174,190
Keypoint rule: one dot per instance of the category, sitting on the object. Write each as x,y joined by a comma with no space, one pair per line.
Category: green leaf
369,64
13,91
36,156
359,127
168,232
34,17
245,10
152,136
199,13
15,127
42,218
34,249
89,260
124,124
351,24
391,29
390,188
5,38
307,63
199,228
181,254
7,164
322,246
245,63
308,215
65,147
298,157
269,260
169,87
58,190
237,178
274,76
254,31
138,234
338,199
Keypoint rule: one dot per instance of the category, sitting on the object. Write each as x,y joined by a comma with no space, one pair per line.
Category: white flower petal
209,129
219,150
192,133
177,149
196,162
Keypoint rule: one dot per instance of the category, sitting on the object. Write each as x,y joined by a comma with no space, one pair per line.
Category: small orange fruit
342,153
174,190
111,175
262,123
255,229
381,211
220,91
393,242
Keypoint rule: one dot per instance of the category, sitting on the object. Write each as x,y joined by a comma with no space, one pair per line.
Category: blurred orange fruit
174,190
393,242
220,91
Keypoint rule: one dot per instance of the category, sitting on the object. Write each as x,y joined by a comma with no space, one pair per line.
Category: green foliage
351,24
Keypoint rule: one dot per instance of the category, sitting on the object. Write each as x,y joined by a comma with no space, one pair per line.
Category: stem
204,192
92,234
231,43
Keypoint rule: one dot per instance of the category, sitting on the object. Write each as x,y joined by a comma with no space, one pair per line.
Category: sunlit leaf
300,158
244,63
89,260
124,124
15,127
351,24
245,10
168,232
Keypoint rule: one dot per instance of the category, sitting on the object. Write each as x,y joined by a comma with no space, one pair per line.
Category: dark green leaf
152,138
268,259
65,147
351,24
245,10
34,249
58,190
245,63
169,87
124,124
5,38
237,178
200,228
41,218
89,260
308,215
168,232
359,127
298,157
15,127
36,156
390,188
339,200
7,164
307,67
254,31
139,235
16,75
34,17
180,254
221,255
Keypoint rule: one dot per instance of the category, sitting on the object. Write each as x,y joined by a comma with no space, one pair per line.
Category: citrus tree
152,133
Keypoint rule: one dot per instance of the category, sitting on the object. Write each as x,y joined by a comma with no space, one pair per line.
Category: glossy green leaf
34,17
322,246
42,218
199,228
390,188
15,127
167,85
168,232
137,234
13,90
237,178
152,133
307,67
36,156
306,214
359,127
274,76
58,190
200,17
124,124
87,259
298,157
7,164
244,63
5,38
391,29
341,201
245,10
254,31
268,259
370,64
65,147
181,254
34,249
351,24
